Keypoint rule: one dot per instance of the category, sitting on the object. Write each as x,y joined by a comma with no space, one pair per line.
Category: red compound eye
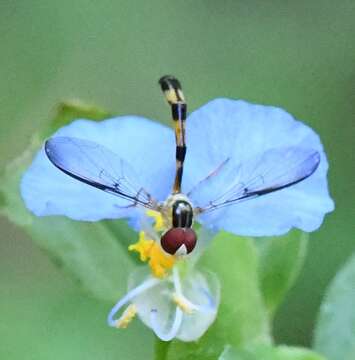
174,238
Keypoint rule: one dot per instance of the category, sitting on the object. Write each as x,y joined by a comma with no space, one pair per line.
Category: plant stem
161,349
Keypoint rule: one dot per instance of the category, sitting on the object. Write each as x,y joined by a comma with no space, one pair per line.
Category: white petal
157,299
203,290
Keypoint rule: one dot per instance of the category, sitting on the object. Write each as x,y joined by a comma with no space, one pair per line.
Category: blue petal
236,130
147,146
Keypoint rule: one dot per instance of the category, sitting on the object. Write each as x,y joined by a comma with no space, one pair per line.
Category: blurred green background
297,55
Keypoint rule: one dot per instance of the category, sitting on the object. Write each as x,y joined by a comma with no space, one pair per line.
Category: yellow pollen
182,304
158,218
127,316
148,249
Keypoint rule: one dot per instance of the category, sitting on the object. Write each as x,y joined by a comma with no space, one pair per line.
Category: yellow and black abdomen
172,90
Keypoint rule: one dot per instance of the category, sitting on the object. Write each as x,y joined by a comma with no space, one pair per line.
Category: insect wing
274,170
97,166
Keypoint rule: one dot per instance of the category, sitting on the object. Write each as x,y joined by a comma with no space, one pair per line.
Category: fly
95,165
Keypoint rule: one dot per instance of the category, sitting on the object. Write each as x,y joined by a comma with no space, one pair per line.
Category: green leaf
281,259
241,316
335,329
12,205
95,253
69,110
89,251
266,352
293,353
258,352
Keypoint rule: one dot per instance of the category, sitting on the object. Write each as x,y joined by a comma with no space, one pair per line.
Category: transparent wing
274,170
97,166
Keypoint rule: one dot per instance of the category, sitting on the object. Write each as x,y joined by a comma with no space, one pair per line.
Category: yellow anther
127,316
158,218
183,304
148,249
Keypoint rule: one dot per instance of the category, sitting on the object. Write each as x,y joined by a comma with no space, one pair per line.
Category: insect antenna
171,88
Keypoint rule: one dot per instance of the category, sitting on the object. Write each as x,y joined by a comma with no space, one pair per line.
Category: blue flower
222,129
236,146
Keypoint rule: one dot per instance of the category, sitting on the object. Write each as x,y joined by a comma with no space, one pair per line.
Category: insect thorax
179,209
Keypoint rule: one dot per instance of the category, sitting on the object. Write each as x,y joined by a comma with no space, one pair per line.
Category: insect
95,165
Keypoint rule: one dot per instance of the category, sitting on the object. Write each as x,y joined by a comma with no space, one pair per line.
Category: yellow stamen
148,249
158,218
142,246
127,316
183,304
